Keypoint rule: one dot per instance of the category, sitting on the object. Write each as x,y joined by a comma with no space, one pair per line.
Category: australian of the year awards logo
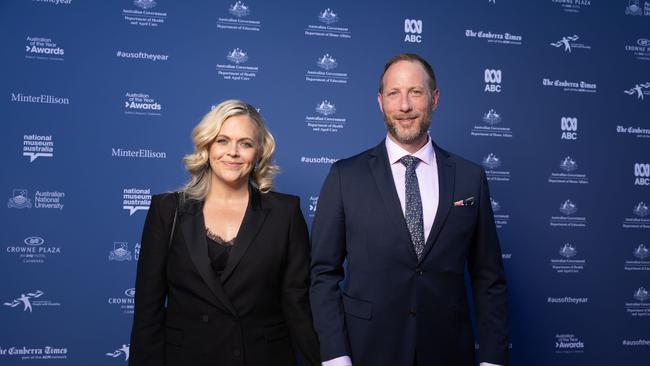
413,30
235,69
567,261
570,43
325,73
490,126
125,302
144,15
568,209
30,300
501,217
136,199
121,353
325,120
639,259
329,25
492,163
33,249
43,48
492,79
505,38
571,86
639,90
141,104
38,146
639,218
568,343
640,48
25,353
637,8
239,18
572,6
639,306
567,173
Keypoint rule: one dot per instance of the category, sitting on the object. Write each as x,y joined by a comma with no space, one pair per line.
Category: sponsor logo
569,43
143,15
490,129
235,70
567,263
37,146
318,160
327,18
491,162
495,37
39,99
641,174
313,204
501,218
42,199
571,86
33,249
640,263
640,90
492,79
572,6
326,64
120,352
125,303
325,121
41,48
141,104
640,49
28,301
236,21
120,252
568,343
413,30
639,132
141,55
637,8
639,220
569,127
639,306
25,353
136,251
136,199
567,300
568,208
19,199
568,166
138,153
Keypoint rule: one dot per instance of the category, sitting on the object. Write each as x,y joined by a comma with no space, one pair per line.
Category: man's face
407,103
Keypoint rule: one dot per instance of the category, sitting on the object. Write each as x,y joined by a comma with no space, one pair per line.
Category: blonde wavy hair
205,133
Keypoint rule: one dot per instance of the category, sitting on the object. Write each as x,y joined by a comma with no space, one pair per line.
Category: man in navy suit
408,217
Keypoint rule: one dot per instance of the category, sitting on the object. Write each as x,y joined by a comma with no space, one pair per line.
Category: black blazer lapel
193,227
383,175
446,177
250,226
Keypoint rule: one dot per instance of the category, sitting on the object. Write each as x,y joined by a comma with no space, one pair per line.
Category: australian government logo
495,37
38,146
121,353
238,19
572,6
25,353
124,302
33,250
637,131
326,73
568,173
42,199
492,163
570,43
640,49
42,48
568,261
136,199
329,25
141,104
568,209
27,302
501,217
568,343
640,218
39,99
144,15
569,128
571,86
641,260
236,69
639,304
325,120
637,8
639,90
490,126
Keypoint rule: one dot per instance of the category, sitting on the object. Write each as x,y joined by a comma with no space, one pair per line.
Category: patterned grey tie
413,214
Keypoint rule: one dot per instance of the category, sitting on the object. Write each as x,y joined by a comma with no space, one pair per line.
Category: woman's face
234,151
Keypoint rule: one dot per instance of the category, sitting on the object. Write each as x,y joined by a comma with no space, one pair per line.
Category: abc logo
569,126
492,80
642,174
413,30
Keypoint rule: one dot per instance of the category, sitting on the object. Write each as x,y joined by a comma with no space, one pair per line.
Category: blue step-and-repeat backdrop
552,97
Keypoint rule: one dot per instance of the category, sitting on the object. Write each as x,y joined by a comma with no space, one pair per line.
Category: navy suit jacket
393,308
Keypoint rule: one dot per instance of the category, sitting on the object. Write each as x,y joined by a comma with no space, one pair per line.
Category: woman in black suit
223,273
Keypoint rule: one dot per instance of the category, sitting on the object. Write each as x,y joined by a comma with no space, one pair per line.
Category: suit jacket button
412,313
236,352
419,271
205,318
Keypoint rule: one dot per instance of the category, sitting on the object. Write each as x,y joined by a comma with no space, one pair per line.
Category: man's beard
408,137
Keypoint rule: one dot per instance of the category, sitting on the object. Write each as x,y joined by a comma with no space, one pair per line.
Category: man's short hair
413,58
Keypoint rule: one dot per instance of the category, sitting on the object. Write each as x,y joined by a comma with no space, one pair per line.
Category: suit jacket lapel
250,226
446,176
383,175
193,228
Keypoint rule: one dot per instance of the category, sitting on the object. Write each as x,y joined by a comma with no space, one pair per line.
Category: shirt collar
395,152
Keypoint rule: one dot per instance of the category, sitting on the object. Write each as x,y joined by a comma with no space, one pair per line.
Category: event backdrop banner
98,98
